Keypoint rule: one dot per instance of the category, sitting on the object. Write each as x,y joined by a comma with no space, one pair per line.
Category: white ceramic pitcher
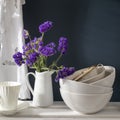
43,91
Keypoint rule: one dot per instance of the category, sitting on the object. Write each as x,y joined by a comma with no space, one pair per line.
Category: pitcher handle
28,82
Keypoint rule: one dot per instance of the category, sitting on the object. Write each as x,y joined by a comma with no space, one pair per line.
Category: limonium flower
47,51
36,53
64,72
45,26
63,45
18,58
32,57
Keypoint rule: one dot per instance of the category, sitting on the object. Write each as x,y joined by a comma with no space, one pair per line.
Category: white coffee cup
9,92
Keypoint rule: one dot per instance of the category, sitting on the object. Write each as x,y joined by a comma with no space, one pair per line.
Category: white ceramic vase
43,91
11,40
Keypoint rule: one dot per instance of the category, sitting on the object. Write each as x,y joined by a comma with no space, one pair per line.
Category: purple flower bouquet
36,53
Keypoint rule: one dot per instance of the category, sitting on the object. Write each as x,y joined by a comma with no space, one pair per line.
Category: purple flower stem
29,37
42,36
58,58
55,62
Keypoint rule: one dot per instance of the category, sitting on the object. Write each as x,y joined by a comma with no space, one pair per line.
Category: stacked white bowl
92,93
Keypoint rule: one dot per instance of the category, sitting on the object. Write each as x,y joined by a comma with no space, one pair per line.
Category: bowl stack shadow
88,93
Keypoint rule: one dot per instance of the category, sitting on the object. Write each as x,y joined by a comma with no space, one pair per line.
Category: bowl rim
85,84
94,94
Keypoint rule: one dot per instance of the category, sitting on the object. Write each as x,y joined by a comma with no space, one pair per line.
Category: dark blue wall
92,27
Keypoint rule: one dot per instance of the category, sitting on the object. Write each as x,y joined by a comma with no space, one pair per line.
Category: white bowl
95,74
108,79
83,88
85,103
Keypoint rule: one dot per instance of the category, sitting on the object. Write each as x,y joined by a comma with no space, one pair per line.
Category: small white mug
9,92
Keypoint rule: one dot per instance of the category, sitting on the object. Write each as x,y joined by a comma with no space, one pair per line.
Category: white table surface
60,111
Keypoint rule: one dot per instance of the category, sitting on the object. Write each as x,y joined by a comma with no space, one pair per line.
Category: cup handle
28,83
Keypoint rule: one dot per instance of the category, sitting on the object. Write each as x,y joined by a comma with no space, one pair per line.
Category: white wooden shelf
60,111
